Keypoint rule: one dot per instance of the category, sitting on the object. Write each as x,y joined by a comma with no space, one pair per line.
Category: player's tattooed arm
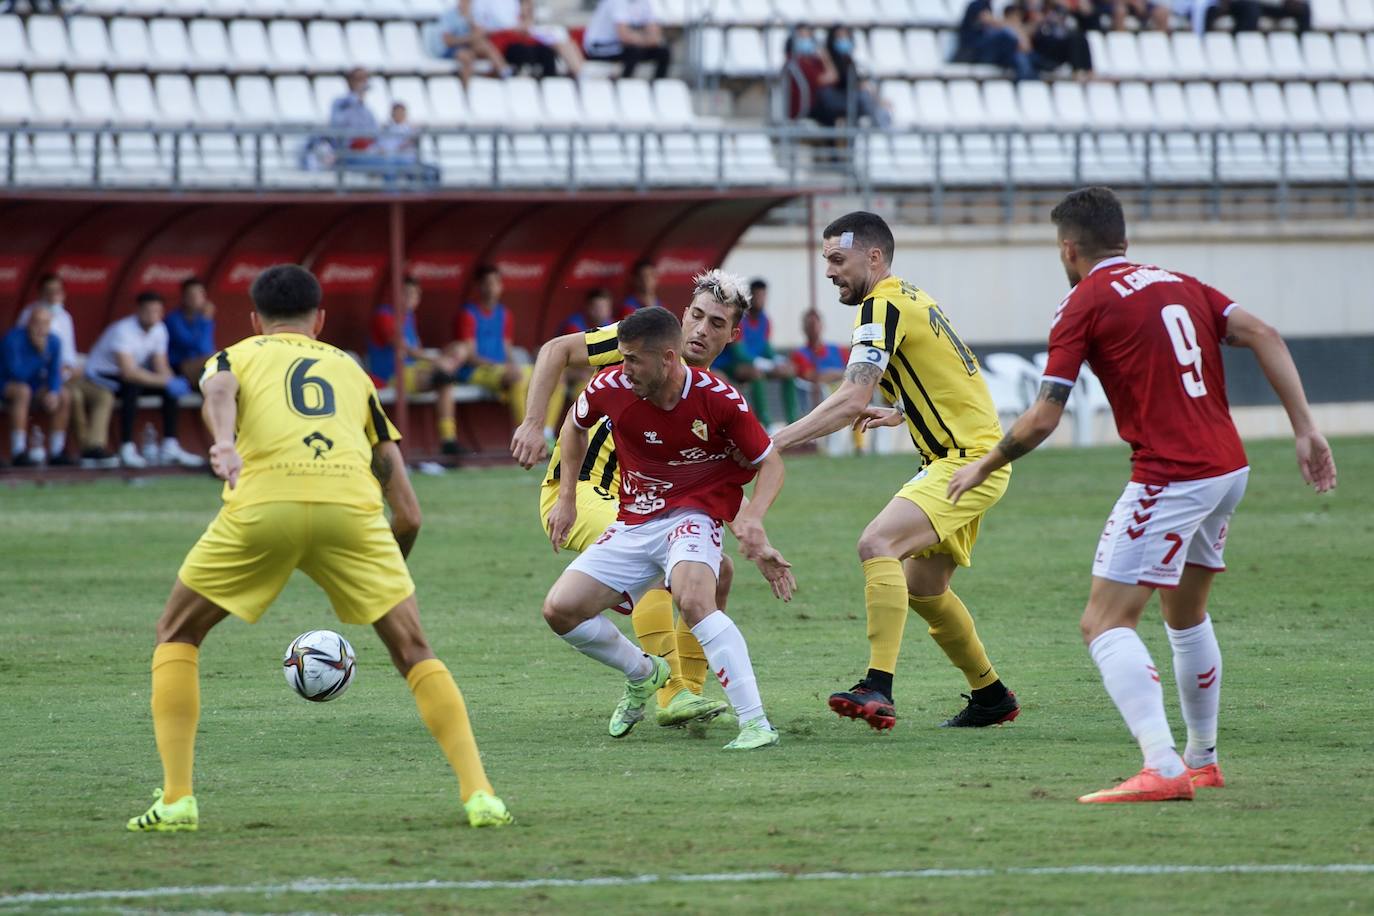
382,467
1054,392
1033,427
863,374
1012,448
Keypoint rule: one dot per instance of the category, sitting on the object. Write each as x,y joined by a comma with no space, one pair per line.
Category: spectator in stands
643,288
627,31
130,359
812,79
839,43
486,349
456,36
596,313
985,38
750,359
399,144
191,331
510,26
1245,14
426,369
1055,38
821,365
31,379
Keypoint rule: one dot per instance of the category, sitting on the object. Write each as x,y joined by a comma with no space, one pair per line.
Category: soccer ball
319,665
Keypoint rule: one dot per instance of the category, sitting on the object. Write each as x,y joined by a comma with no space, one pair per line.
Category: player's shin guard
653,623
446,716
885,601
176,713
1197,669
602,640
692,657
729,658
1132,681
951,626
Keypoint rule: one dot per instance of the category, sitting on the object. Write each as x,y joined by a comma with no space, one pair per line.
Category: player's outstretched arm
527,445
748,523
390,470
1315,462
1031,428
572,443
845,405
219,410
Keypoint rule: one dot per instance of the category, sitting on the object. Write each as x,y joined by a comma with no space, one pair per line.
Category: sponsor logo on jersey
582,407
651,437
700,431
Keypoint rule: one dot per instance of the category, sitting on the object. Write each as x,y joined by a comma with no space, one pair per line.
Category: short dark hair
757,284
409,280
48,278
870,231
285,291
1093,218
147,296
598,292
653,325
485,270
191,281
641,264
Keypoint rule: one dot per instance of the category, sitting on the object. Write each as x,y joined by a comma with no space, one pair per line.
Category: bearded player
675,430
710,323
1154,339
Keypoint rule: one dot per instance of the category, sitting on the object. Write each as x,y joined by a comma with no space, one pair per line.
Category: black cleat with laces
865,702
975,715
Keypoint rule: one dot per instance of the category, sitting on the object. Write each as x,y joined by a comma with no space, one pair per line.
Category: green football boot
630,710
687,708
754,734
181,814
486,810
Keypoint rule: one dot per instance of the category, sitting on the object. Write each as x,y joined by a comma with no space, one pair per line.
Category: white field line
322,886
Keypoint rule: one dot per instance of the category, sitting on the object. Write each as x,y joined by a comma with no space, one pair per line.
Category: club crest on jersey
700,431
651,437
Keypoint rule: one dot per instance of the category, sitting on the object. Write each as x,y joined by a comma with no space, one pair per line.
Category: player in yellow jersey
307,456
709,324
904,346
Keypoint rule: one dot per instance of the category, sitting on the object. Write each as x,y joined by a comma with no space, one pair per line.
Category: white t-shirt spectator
124,336
496,15
601,37
61,326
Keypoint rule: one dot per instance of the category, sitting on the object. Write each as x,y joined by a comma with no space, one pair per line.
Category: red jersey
1154,339
679,458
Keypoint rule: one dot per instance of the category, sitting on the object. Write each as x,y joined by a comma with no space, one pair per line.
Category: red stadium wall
550,250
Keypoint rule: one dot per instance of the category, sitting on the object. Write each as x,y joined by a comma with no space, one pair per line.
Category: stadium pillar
806,247
400,412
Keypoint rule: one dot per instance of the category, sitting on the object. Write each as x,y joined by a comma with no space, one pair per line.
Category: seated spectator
643,289
511,27
400,145
839,43
31,379
627,31
984,38
130,359
812,79
485,332
1055,38
821,365
191,331
426,369
1245,14
53,294
750,359
596,313
456,36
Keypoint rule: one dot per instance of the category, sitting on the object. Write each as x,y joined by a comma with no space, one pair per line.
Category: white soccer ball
319,665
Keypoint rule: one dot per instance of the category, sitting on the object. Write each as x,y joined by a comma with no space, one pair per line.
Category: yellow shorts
491,376
596,509
242,561
956,525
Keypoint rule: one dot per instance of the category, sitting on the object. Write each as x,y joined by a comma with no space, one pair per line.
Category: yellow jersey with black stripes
600,467
308,418
929,373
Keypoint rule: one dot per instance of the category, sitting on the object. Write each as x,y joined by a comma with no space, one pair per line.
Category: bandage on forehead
846,240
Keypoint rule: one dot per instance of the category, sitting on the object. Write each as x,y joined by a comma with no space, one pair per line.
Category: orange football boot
1208,777
1145,786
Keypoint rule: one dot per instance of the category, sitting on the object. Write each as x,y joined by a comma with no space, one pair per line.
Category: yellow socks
692,657
176,712
951,626
885,598
448,430
441,708
653,623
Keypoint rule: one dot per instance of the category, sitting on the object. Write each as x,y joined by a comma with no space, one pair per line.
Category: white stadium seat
410,91
1327,14
562,107
636,101
712,49
598,103
1203,107
1319,57
48,46
215,99
133,95
1156,56
1361,103
176,99
487,103
1285,58
287,40
255,102
1190,62
327,49
897,95
403,48
169,46
523,102
1350,55
1220,48
745,54
1245,156
1252,51
16,103
209,43
14,45
447,102
888,52
673,102
365,47
248,44
1124,53
129,42
89,41
295,100
1178,157
1359,15
94,99
923,57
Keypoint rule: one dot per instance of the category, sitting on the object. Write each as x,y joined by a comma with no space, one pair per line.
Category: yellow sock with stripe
446,716
653,623
692,658
885,601
448,430
176,713
951,626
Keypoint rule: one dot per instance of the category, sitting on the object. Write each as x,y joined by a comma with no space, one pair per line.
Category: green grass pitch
356,789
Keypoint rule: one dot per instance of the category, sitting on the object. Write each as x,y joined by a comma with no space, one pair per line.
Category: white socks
57,442
1197,669
602,640
19,441
728,656
1133,683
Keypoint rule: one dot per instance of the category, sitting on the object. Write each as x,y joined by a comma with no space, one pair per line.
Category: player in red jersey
675,429
1154,339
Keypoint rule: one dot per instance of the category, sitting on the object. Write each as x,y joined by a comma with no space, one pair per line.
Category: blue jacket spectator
31,378
191,331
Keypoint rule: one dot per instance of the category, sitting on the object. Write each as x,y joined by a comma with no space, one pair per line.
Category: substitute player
904,345
307,456
710,323
675,429
1154,339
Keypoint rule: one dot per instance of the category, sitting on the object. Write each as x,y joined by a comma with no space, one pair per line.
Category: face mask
844,46
804,46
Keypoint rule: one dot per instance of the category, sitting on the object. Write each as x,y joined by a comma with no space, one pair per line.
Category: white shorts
1155,530
634,558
